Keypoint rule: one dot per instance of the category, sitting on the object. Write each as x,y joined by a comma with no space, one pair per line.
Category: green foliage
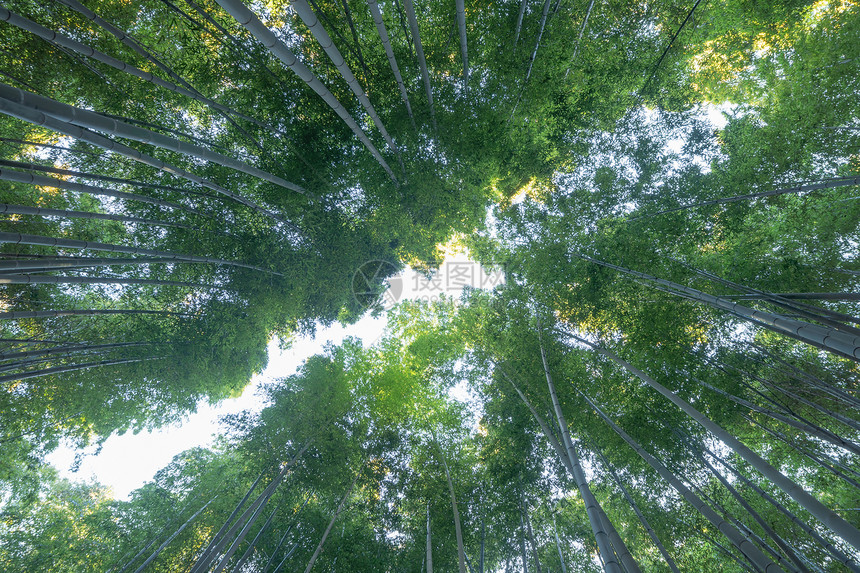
617,209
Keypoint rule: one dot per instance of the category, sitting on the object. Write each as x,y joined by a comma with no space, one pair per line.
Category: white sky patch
126,462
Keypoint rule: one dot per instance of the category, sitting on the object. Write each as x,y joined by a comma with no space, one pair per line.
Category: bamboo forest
666,379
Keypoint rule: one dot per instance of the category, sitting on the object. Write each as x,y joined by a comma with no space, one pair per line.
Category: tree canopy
667,380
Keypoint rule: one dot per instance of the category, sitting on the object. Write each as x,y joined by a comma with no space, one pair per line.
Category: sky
126,462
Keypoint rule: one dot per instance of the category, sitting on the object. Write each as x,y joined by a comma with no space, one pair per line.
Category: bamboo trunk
523,545
802,310
758,518
38,118
205,561
429,556
854,424
828,339
80,48
458,532
389,53
422,62
61,263
579,38
171,538
803,425
70,368
242,534
43,181
20,314
91,120
287,556
558,546
98,176
27,279
284,538
829,547
531,534
569,464
752,552
43,212
801,376
357,51
825,184
141,51
604,543
461,25
69,348
519,22
822,463
330,525
642,519
245,556
827,516
20,364
21,239
265,36
312,22
483,540
543,18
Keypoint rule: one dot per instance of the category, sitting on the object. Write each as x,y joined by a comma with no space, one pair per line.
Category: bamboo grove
667,380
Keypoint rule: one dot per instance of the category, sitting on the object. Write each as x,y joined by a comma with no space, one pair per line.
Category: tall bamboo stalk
330,525
827,516
67,214
530,531
284,538
67,349
319,33
152,557
642,519
389,53
68,43
71,368
20,314
825,338
819,186
802,425
758,518
458,532
27,279
143,52
464,51
541,27
43,181
579,38
602,537
245,556
429,550
422,62
519,22
19,266
22,239
206,560
38,118
841,557
752,552
265,36
114,127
